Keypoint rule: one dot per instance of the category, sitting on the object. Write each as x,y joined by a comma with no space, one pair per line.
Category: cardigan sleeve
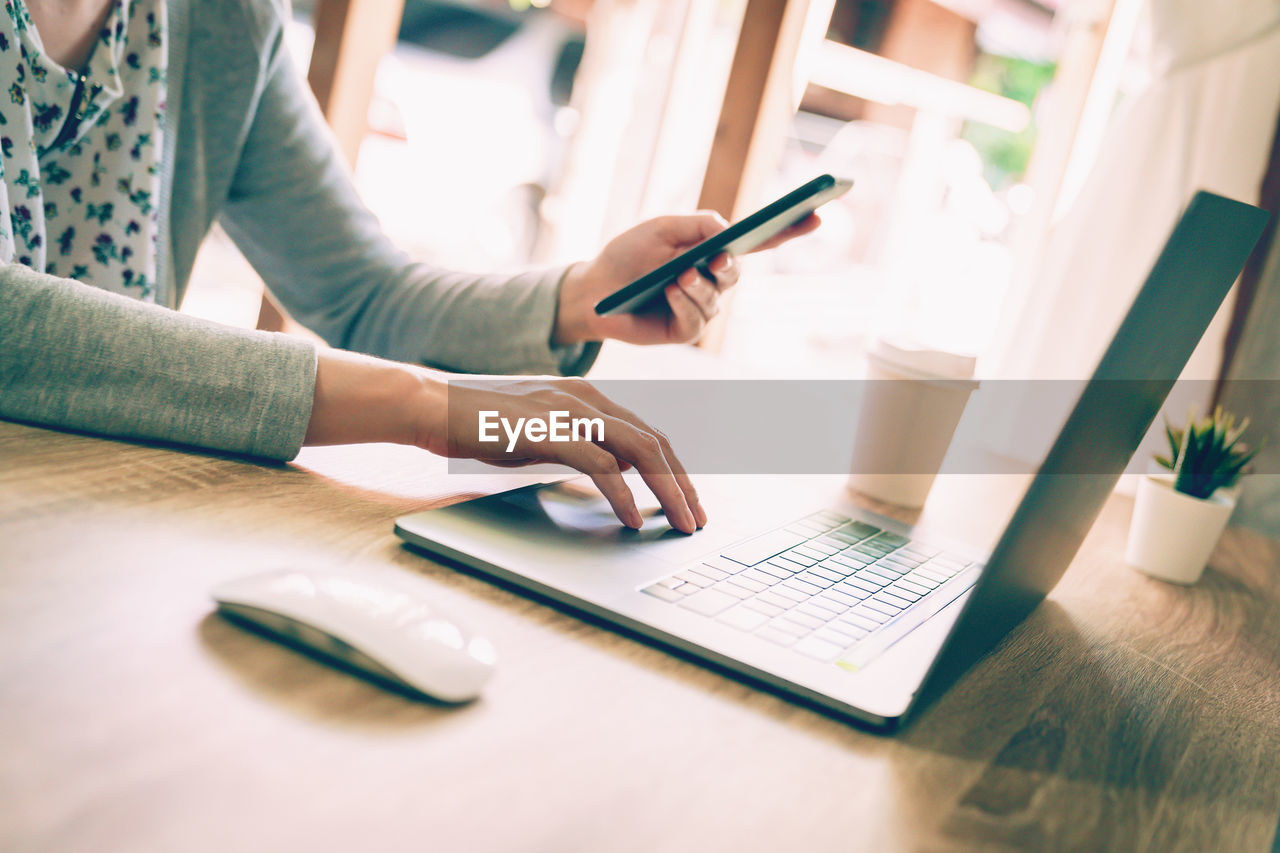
77,357
294,212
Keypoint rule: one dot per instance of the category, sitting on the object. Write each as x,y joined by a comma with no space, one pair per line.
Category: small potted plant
1178,517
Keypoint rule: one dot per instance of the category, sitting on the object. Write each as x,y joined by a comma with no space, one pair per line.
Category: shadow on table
309,686
1075,741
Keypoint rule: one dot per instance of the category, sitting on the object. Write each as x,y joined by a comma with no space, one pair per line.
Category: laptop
794,588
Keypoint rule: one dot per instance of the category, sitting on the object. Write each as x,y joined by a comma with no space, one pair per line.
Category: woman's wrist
362,399
574,311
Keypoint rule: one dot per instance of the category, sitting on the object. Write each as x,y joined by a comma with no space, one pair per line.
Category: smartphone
738,239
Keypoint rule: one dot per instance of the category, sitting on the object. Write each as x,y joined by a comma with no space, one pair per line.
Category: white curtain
1205,122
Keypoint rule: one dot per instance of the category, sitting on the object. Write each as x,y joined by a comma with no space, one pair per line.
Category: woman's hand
690,303
360,399
622,441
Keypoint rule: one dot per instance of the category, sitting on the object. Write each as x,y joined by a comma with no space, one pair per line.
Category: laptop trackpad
566,532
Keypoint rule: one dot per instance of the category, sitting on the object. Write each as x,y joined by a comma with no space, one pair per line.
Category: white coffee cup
907,417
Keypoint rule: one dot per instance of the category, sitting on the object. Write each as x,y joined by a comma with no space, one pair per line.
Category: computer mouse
383,627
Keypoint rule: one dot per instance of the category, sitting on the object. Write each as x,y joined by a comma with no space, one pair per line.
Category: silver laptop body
882,617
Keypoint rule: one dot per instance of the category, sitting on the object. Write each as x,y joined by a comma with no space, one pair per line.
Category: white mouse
384,628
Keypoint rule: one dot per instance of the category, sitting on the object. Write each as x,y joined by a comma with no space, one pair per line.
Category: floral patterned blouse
80,150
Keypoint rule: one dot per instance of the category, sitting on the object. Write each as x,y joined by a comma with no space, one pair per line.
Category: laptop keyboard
826,586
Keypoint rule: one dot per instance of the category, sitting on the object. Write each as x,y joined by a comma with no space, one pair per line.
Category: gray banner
821,427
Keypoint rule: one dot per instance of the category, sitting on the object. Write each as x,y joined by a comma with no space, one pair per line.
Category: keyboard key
818,649
881,578
821,547
832,605
748,583
875,551
695,579
902,592
839,568
827,516
946,571
856,620
790,626
888,597
761,548
912,586
743,618
728,566
834,577
768,608
811,528
855,588
798,585
709,602
932,574
893,540
897,563
709,572
773,635
863,610
868,586
803,560
853,561
924,548
804,619
831,542
666,593
948,563
921,580
731,588
671,582
815,579
795,595
777,572
858,530
786,565
687,589
816,609
842,633
881,607
774,600
841,597
894,572
758,576
868,576
813,554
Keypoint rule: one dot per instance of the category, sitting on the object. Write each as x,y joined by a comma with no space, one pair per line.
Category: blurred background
993,144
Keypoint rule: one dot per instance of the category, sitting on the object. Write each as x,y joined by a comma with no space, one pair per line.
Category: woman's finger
702,293
687,321
724,271
603,469
645,451
609,407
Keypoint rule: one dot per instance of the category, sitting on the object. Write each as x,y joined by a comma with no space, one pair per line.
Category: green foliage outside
1005,155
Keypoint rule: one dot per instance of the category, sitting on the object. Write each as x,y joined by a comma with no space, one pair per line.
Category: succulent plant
1206,454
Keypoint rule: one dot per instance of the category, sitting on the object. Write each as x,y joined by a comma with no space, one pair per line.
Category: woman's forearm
75,356
360,399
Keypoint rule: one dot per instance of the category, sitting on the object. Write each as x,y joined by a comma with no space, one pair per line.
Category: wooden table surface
1125,714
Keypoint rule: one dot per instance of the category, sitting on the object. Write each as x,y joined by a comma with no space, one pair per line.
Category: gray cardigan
245,144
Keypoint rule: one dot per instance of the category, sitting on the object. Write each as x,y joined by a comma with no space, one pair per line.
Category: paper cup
910,407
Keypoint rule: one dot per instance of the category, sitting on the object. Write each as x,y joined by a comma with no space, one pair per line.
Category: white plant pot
1173,534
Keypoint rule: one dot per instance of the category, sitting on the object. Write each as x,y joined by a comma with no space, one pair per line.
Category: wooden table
1125,714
